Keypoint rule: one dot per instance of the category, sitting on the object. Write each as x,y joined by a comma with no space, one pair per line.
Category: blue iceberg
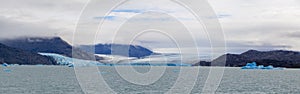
253,65
5,65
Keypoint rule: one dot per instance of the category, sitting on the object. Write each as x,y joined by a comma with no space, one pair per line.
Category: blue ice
253,65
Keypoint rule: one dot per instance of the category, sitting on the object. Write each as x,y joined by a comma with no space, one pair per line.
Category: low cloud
255,24
295,34
239,47
106,17
128,10
12,29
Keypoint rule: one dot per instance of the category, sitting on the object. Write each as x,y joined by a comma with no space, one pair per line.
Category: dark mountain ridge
49,45
11,55
118,49
277,58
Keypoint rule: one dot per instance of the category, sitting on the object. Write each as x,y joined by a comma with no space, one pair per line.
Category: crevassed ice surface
153,60
157,61
63,60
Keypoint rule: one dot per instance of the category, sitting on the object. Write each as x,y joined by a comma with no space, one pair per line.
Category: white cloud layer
248,24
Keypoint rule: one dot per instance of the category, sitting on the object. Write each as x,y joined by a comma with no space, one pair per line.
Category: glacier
112,60
71,62
153,60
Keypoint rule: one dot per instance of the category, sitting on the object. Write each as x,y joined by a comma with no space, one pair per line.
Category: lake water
62,80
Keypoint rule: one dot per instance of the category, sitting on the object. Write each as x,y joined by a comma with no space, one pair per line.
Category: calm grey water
62,80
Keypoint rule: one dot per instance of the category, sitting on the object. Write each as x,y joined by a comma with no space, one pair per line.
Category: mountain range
118,49
49,45
11,55
277,58
25,51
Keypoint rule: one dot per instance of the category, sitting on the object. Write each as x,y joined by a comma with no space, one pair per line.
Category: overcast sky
247,24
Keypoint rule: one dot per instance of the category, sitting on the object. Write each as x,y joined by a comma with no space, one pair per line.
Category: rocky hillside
118,49
277,58
49,45
11,55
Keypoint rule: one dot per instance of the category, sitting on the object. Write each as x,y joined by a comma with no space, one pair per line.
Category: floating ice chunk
71,65
260,66
14,65
251,66
269,67
254,66
5,65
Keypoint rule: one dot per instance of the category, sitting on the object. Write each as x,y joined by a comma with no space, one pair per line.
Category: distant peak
26,38
251,51
48,38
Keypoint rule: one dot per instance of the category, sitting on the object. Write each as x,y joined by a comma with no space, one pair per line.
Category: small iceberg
14,64
253,65
70,65
5,65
